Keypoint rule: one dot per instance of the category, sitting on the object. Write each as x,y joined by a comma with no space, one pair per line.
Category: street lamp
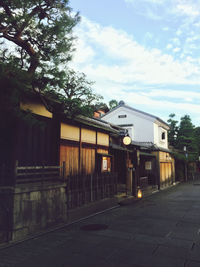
139,193
127,140
186,156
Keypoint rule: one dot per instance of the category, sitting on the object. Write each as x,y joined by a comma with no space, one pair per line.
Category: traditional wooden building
149,136
55,163
84,145
166,166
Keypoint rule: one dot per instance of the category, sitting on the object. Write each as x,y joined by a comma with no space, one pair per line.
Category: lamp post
129,175
186,156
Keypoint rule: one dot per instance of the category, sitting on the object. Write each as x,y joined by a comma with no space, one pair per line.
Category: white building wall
143,127
156,134
158,130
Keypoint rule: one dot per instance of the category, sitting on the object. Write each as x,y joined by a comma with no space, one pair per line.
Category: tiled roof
122,104
97,123
151,146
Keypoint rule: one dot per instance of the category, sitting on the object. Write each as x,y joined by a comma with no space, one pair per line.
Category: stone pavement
158,231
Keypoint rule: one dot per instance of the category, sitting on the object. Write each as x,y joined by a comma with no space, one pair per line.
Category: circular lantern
127,140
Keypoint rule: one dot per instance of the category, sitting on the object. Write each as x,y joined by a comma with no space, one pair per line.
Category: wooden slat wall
88,160
84,149
166,173
102,151
69,155
37,143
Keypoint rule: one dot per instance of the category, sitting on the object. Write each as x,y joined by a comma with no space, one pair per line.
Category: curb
53,229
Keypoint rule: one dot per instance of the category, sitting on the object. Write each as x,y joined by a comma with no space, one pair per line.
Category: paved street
161,230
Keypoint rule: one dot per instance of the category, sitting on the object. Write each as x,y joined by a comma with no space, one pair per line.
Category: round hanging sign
126,140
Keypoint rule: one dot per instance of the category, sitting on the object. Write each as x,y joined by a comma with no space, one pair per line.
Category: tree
172,134
42,33
185,135
113,103
197,138
186,138
76,96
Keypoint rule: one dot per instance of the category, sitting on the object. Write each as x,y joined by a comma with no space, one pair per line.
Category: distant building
149,134
141,126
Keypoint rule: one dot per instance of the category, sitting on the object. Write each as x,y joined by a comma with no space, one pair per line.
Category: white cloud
134,62
122,67
135,98
169,46
193,38
165,29
84,53
176,49
176,41
174,94
179,32
147,1
169,106
188,9
183,8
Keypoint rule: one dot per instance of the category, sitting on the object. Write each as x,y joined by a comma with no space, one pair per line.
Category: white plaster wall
157,136
143,127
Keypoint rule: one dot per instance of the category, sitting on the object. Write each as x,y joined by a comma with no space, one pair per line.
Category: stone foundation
38,207
6,215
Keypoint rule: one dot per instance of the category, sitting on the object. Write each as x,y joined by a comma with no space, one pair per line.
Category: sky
144,52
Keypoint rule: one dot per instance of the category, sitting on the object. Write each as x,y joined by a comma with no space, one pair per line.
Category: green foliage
76,96
14,82
197,138
15,85
101,106
184,135
172,134
113,103
41,31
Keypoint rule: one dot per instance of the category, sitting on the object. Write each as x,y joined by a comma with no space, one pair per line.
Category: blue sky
145,52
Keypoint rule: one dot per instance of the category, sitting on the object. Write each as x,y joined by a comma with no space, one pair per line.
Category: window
106,164
130,132
103,163
148,165
122,116
163,136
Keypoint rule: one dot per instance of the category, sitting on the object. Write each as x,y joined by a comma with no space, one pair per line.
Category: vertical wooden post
15,172
186,176
79,154
2,174
136,165
43,176
91,187
64,170
96,163
158,169
128,175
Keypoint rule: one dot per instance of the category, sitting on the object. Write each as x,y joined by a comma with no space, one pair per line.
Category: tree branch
9,13
28,48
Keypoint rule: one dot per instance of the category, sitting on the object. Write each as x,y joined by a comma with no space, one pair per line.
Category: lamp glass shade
139,193
127,140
